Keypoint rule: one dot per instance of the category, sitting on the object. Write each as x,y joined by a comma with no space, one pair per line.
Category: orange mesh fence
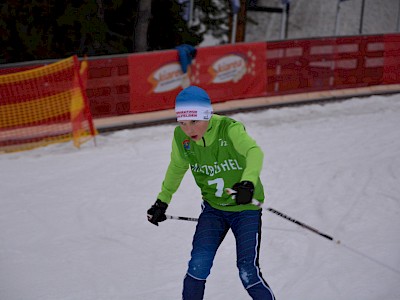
45,105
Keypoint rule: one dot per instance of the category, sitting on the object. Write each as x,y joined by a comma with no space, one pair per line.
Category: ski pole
181,218
278,213
282,215
274,211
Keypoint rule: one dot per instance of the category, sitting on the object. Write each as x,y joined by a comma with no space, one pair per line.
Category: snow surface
73,222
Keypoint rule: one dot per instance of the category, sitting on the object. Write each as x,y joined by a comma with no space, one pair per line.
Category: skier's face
195,129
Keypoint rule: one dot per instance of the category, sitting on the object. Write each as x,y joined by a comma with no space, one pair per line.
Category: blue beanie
193,103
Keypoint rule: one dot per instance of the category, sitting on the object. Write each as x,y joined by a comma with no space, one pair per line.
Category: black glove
156,213
244,192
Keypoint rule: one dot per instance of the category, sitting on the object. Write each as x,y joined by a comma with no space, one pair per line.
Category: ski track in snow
74,221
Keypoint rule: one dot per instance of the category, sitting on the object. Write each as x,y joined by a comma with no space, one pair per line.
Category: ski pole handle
233,193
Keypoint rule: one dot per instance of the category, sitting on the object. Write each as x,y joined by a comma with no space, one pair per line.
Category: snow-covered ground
73,222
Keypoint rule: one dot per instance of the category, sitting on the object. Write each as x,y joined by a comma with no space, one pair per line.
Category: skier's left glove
156,213
244,192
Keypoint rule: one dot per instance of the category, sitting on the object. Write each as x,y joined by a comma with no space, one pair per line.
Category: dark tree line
50,29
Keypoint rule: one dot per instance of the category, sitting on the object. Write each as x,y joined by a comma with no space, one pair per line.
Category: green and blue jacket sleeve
247,146
174,175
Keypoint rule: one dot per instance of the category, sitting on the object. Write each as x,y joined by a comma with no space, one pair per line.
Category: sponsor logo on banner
231,67
166,78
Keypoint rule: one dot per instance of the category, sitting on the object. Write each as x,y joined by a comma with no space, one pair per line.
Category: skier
221,155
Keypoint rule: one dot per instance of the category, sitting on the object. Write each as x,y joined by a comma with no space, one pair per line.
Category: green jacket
226,155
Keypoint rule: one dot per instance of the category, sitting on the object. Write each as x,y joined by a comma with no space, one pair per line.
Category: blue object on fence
186,54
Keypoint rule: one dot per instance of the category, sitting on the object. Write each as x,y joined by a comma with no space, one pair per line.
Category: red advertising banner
391,71
108,86
232,71
144,82
156,78
225,72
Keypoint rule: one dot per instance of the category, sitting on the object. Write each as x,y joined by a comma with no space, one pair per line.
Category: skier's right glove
156,213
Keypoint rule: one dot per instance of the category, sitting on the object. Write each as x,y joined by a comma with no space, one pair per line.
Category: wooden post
241,22
362,17
337,19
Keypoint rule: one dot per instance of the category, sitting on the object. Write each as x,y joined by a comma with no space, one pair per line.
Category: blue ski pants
211,230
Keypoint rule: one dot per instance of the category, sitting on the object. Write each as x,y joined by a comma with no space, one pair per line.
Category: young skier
221,155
